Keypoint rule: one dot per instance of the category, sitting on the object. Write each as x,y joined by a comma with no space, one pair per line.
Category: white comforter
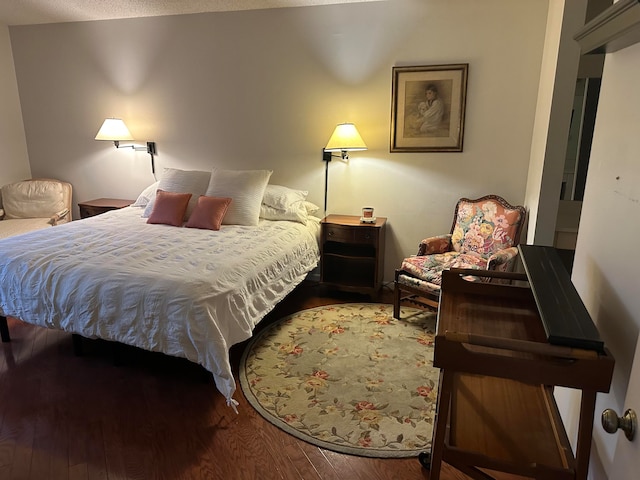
185,292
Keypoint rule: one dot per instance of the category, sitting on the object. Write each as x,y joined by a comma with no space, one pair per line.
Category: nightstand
352,254
101,205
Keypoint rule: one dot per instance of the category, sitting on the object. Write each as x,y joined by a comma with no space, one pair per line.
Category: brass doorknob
627,423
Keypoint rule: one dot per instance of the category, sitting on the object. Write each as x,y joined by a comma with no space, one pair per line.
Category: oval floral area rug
348,378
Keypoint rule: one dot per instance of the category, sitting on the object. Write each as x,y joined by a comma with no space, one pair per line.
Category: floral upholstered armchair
484,236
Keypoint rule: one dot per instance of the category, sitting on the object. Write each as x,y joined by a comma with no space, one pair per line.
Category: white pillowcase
295,213
146,195
311,207
174,180
246,189
280,197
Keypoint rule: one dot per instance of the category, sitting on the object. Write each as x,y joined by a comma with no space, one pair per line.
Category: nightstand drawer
366,235
90,211
345,234
338,233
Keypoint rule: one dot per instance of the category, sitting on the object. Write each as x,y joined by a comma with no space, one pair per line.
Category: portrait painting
428,106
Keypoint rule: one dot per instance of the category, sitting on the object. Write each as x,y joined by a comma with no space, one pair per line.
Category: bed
186,292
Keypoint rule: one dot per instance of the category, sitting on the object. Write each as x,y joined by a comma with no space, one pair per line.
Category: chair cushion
484,228
427,287
429,267
16,226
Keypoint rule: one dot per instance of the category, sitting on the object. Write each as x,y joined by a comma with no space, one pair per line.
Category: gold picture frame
428,108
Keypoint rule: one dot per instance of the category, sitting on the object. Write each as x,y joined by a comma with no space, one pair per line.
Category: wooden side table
352,254
101,205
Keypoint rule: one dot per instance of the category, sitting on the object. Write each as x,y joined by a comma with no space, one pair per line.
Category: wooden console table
501,349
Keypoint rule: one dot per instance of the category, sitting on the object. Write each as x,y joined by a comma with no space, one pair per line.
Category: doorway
583,116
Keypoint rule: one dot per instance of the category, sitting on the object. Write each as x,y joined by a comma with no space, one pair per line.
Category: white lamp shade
345,138
113,129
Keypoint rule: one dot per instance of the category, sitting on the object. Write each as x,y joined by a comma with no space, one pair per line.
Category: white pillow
174,180
280,197
246,189
146,196
311,207
295,213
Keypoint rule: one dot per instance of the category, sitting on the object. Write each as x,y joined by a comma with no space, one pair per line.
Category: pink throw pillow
208,213
169,208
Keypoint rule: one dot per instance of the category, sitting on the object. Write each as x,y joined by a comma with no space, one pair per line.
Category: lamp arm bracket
150,148
327,156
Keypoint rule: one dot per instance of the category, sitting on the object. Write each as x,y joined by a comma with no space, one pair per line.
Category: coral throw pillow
169,208
208,213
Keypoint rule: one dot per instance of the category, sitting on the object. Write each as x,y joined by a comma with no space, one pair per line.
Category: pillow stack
205,200
284,203
174,180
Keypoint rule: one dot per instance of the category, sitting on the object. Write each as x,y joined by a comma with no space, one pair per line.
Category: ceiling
28,12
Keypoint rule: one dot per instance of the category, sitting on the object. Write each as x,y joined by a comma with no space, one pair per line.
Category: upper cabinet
615,28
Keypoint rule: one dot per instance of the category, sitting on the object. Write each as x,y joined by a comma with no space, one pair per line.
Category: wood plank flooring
64,417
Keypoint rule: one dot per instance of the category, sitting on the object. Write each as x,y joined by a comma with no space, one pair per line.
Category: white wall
606,262
14,161
266,88
558,75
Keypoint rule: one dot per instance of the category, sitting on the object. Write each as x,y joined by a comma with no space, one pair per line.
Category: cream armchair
33,204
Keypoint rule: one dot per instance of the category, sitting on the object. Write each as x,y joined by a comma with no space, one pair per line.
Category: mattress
185,292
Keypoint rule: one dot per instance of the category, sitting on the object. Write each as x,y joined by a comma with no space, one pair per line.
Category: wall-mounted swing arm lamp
345,139
115,130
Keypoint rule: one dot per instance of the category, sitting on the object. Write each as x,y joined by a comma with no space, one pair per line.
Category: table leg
585,430
440,428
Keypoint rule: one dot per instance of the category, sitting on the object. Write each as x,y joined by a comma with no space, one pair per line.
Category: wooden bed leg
4,329
77,344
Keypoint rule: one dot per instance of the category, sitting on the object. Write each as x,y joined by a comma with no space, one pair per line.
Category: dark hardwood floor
152,416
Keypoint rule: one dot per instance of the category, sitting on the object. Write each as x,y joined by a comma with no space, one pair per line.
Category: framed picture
427,108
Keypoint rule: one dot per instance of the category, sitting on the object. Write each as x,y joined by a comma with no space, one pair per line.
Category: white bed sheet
185,292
